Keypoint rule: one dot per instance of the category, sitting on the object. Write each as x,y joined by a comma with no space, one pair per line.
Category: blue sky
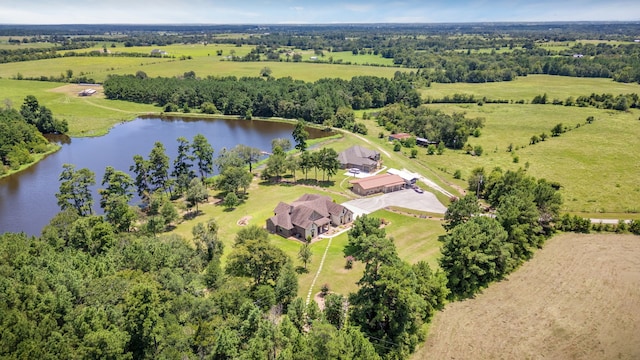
309,12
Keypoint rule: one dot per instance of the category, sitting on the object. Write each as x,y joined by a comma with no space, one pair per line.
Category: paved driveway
408,199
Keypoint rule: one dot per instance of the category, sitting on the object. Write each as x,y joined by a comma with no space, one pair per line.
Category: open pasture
576,299
87,116
527,87
175,50
596,164
96,67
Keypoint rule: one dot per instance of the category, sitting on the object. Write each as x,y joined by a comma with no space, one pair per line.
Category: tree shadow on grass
301,270
191,215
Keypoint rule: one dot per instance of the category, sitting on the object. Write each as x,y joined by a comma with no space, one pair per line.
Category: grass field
98,68
527,87
87,116
576,299
211,51
596,164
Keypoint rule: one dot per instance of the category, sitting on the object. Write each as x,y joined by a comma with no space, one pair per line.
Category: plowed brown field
578,298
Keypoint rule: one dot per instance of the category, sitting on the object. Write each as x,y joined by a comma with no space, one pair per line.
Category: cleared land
597,164
578,298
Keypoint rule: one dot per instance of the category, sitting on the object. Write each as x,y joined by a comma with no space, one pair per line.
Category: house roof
358,155
308,209
376,181
400,136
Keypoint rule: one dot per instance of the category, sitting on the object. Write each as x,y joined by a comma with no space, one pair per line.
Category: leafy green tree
208,108
306,162
115,197
158,167
335,310
275,166
258,260
119,213
205,237
557,130
203,154
214,274
227,159
40,116
233,178
196,193
141,168
282,143
460,211
292,164
286,287
251,232
300,136
431,286
328,162
548,202
230,201
182,165
265,72
249,154
74,189
518,215
389,311
474,254
305,254
142,309
168,212
363,227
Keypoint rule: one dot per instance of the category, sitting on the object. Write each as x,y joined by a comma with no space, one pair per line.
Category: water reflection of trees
59,138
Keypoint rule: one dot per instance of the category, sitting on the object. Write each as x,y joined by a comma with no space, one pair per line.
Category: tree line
314,102
480,249
21,132
434,125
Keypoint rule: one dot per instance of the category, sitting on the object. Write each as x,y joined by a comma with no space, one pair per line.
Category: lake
27,199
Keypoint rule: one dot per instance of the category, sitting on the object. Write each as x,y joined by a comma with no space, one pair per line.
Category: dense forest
316,102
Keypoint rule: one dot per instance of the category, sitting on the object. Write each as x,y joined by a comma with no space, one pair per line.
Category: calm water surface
27,199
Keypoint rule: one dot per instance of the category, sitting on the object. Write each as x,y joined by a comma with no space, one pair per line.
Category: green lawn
596,164
527,87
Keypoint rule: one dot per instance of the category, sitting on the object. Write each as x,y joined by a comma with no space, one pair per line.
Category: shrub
349,263
431,149
457,174
324,290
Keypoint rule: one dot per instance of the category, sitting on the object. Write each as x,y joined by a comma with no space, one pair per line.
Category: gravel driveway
408,199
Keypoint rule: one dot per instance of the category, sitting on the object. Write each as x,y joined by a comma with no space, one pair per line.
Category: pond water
27,199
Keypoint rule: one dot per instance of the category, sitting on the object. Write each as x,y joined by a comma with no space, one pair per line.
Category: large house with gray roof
308,217
360,158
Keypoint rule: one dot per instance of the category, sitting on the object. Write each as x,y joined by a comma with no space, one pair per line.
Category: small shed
399,136
87,92
425,142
